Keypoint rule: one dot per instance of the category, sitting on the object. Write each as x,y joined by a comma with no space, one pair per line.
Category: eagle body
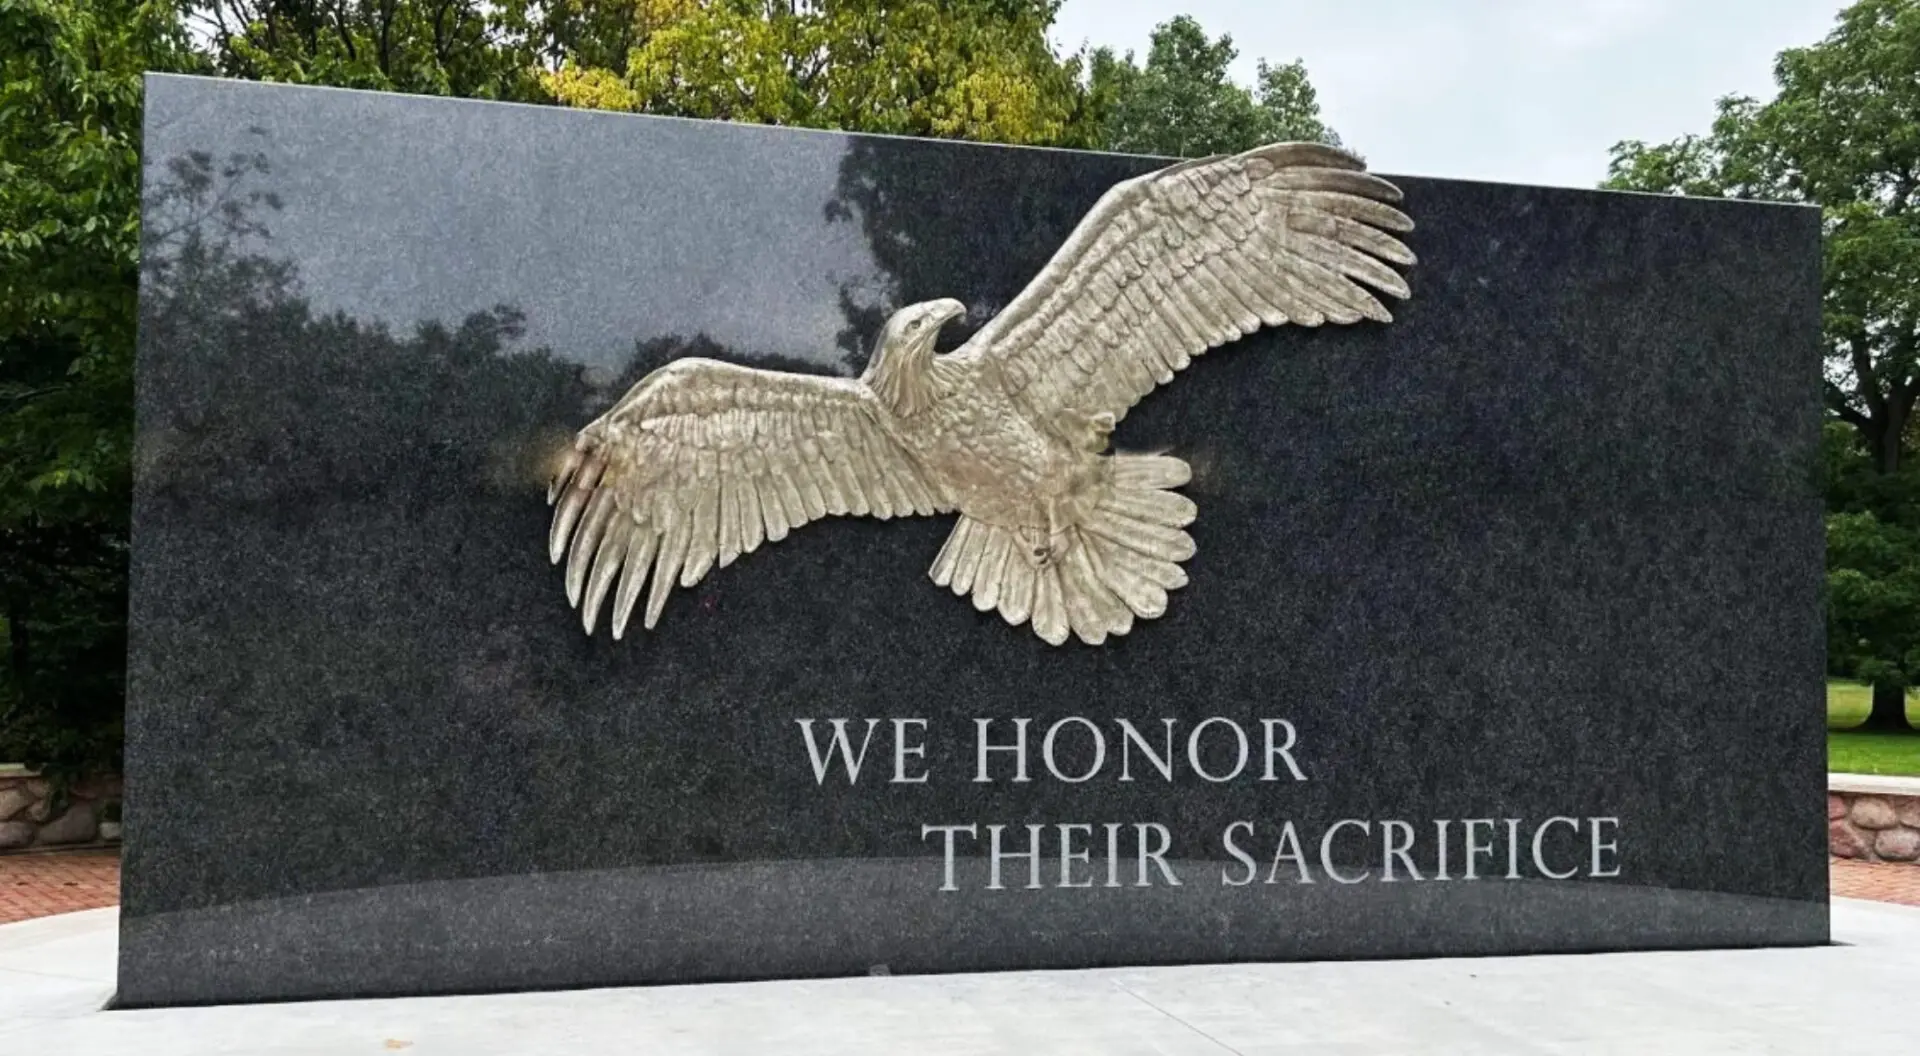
703,461
992,459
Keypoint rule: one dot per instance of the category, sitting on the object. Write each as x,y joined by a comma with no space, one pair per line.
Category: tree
1843,133
447,47
70,113
1182,103
957,69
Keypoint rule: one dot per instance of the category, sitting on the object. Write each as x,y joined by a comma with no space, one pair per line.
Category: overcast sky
1521,91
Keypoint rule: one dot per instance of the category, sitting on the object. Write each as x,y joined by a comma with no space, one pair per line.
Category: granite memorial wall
1501,630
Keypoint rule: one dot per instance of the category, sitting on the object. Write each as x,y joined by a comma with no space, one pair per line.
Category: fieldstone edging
28,818
1872,818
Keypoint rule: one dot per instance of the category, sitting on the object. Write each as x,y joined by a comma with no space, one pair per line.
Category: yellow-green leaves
961,69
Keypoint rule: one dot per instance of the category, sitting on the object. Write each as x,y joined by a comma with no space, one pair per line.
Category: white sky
1519,91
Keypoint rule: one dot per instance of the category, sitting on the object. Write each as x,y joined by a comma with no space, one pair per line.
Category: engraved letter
946,832
1598,847
1288,839
1099,749
1193,750
1018,748
1326,851
1539,854
1477,848
839,745
1144,855
1113,854
1284,751
995,856
1068,855
901,749
1161,761
1387,829
1239,855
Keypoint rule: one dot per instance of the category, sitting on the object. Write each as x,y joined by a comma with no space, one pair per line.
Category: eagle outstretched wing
1170,264
703,460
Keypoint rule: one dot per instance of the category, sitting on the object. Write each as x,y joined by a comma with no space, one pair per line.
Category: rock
1836,806
1897,845
15,834
1872,812
13,800
1908,809
109,830
1843,841
41,810
75,825
98,788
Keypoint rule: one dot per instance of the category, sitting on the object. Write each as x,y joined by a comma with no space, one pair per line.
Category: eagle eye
916,324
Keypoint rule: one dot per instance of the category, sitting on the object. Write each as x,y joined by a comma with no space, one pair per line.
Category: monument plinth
1488,622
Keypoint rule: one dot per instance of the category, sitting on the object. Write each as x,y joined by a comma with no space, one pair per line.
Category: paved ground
39,885
57,972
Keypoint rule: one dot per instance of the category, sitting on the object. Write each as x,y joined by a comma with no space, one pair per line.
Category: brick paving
40,885
1876,881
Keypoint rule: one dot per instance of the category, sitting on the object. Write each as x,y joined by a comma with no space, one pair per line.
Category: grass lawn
1868,753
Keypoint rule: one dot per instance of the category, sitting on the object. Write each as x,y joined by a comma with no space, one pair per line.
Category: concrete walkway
57,972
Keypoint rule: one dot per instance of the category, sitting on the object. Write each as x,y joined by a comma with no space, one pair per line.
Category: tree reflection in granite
326,500
920,212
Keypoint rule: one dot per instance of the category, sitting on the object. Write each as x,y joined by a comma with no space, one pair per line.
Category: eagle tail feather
1114,568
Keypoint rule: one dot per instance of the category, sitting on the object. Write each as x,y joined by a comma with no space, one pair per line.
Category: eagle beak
947,310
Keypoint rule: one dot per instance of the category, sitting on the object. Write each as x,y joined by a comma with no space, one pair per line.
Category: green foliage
959,69
1852,751
70,111
456,47
1182,103
1873,570
1855,752
1843,133
1873,598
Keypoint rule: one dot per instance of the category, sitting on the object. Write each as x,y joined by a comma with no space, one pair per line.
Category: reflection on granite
1547,546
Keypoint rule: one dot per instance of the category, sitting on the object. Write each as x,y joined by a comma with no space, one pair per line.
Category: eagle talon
1088,432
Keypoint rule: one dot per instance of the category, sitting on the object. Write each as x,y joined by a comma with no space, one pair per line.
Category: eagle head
900,368
914,328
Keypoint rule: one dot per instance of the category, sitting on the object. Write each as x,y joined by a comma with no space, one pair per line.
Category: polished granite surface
1540,560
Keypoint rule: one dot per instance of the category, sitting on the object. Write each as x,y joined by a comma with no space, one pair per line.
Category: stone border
28,819
1873,818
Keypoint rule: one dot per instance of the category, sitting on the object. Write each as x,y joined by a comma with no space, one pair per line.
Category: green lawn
1867,753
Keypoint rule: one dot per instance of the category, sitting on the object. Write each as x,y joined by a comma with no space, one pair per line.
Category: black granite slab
1547,546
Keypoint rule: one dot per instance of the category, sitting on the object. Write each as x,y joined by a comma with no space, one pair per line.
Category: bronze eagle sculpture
702,461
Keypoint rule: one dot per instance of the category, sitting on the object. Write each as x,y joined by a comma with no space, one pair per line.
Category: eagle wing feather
1175,262
701,462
